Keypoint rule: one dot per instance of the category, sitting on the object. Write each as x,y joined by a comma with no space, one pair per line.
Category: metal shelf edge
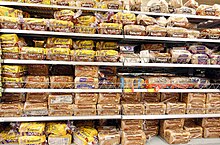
24,90
180,90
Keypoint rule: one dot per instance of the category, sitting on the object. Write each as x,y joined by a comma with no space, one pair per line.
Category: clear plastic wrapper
86,83
60,54
133,109
130,58
109,137
40,82
127,125
107,55
196,131
11,109
195,109
38,70
66,15
155,108
214,60
159,57
160,6
9,82
177,32
124,18
60,110
175,21
34,24
213,98
107,81
53,42
110,28
84,44
213,33
151,131
112,98
212,132
137,30
176,108
9,23
37,97
60,99
153,47
32,53
156,31
102,45
185,10
194,98
85,28
209,122
35,109
208,10
32,129
13,70
108,109
129,82
35,140
177,136
81,110
58,140
180,56
192,4
13,97
133,137
145,20
86,98
193,34
57,82
212,108
162,21
131,97
60,26
157,82
199,49
84,55
173,124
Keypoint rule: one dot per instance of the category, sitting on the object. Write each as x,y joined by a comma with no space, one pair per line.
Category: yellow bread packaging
34,140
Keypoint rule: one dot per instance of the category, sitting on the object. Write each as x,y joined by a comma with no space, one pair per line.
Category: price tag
150,90
128,90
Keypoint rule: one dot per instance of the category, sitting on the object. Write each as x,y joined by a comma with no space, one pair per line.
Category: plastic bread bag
85,28
11,109
35,140
213,98
110,28
156,30
177,32
136,30
194,98
193,34
170,97
133,109
82,110
174,4
86,3
211,132
13,70
66,15
151,97
84,44
131,97
112,98
86,83
175,21
37,97
60,26
124,18
212,108
133,5
200,59
38,70
10,12
180,56
53,42
133,137
86,71
157,82
208,10
215,59
195,108
16,82
155,108
10,53
185,10
9,23
112,4
196,131
109,137
86,98
107,82
35,24
132,82
159,57
145,56
127,125
160,6
209,122
145,20
153,47
15,97
60,110
40,82
60,99
177,136
63,2
176,108
108,109
161,21
32,128
9,40
84,55
192,4
32,53
61,82
35,109
200,49
47,2
102,45
213,33
57,140
107,55
130,58
58,54
173,124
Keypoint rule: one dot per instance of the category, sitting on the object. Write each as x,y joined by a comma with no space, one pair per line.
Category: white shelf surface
138,38
51,33
203,141
179,90
56,118
14,61
25,90
150,117
170,65
5,3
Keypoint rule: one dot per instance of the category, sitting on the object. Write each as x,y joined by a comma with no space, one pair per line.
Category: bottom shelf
203,141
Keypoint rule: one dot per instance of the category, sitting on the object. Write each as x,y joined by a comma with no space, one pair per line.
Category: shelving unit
203,20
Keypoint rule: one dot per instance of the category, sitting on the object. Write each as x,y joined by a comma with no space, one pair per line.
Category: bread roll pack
109,109
60,110
151,97
213,98
133,109
195,109
109,137
196,131
177,136
109,98
170,97
131,97
132,124
37,82
172,124
11,109
209,122
133,137
37,97
61,82
176,108
86,98
86,71
82,110
60,99
194,98
155,108
35,109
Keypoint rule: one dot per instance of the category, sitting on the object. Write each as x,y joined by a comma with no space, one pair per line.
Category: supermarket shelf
14,61
168,39
178,90
170,116
4,3
179,15
51,33
201,141
170,65
24,90
56,118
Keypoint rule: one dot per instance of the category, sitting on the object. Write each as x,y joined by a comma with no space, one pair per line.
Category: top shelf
57,7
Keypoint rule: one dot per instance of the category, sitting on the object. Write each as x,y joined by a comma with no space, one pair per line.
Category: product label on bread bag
182,58
202,59
155,8
61,99
210,11
113,6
